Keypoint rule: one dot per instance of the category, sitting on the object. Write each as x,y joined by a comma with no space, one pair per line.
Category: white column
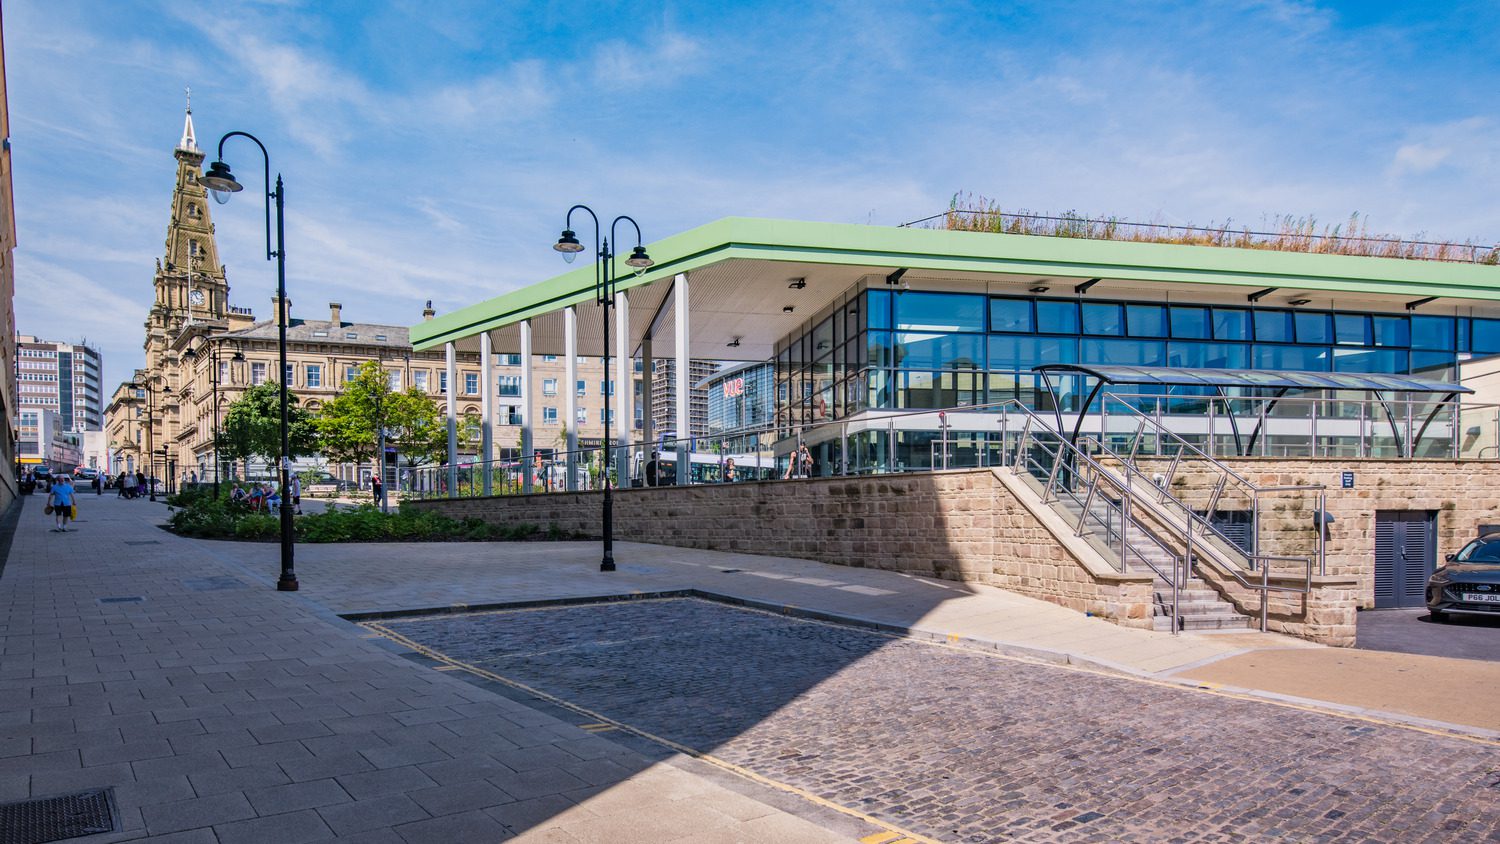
452,353
684,431
526,410
486,409
570,392
624,389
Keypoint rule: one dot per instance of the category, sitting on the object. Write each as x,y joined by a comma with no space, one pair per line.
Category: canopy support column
570,393
527,414
452,369
486,410
684,403
624,398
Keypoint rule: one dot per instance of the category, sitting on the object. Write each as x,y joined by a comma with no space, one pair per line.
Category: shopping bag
73,513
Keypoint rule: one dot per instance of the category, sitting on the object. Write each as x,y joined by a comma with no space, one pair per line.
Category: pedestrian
653,469
237,493
60,502
297,495
376,489
140,483
98,484
729,471
273,499
255,498
807,462
194,480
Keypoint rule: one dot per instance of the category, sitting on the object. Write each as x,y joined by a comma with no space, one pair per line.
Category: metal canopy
1267,378
1281,381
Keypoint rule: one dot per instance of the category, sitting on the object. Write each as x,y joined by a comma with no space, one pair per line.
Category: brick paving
220,710
963,746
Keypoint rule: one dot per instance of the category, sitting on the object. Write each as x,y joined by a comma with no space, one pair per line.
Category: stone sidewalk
220,710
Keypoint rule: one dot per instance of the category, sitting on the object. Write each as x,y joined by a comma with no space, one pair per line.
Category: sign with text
1348,480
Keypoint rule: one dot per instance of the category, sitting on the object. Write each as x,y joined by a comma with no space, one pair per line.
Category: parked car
1468,583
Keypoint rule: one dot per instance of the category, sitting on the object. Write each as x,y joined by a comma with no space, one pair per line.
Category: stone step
1233,621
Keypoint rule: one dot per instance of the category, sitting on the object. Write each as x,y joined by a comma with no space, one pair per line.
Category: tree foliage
349,425
252,426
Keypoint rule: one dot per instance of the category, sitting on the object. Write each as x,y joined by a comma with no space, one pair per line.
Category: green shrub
257,526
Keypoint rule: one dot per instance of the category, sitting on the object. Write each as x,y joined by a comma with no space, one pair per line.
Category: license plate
1482,597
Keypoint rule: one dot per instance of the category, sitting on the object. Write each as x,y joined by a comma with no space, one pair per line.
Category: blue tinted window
1351,329
940,312
1011,315
1057,317
1103,318
878,307
1392,331
1380,361
1190,323
880,348
1146,320
1231,324
1026,352
1208,355
1465,328
1273,326
1439,366
1313,328
1486,336
1127,352
1431,332
1308,358
939,351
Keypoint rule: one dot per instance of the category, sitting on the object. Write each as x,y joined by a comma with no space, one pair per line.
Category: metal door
1405,554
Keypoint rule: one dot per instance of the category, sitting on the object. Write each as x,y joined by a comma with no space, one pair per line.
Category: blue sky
431,149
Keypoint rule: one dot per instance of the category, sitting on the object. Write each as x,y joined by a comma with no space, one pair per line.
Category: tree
420,433
349,425
252,426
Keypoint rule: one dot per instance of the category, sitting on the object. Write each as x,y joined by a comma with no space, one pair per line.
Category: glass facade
883,349
741,399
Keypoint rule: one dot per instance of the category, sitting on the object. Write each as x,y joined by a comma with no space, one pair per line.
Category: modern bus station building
1162,435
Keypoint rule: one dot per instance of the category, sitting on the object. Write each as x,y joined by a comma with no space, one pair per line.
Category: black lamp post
221,183
604,294
213,361
149,387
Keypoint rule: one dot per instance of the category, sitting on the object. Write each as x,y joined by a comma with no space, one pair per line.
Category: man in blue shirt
61,499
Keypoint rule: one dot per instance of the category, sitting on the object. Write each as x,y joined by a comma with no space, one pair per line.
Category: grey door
1405,554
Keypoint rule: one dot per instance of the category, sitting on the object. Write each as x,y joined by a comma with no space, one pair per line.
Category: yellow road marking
446,668
880,838
746,773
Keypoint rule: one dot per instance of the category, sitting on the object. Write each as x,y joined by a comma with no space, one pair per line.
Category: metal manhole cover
122,599
142,542
57,818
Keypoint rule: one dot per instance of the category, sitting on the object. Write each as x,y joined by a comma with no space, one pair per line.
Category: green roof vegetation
970,213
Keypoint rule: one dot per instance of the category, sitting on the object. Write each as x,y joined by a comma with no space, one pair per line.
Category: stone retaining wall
959,525
1464,494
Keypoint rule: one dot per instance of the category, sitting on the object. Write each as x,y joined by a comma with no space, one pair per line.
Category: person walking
98,484
60,499
296,495
140,483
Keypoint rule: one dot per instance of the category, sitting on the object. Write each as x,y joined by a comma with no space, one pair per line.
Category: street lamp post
604,294
221,182
213,362
149,385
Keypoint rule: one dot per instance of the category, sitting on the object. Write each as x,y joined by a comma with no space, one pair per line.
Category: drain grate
57,818
122,599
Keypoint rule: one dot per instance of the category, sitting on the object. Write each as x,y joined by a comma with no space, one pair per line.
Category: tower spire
189,140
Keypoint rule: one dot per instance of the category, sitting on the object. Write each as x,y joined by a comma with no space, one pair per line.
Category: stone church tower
190,284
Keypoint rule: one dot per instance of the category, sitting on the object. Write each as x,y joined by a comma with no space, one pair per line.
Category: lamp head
639,259
239,357
220,182
568,245
190,354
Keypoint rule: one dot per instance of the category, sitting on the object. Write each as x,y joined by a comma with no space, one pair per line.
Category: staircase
1101,491
1199,605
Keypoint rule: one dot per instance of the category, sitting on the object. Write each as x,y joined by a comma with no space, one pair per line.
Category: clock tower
190,284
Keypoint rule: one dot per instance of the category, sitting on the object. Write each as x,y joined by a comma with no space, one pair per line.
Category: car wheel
1439,617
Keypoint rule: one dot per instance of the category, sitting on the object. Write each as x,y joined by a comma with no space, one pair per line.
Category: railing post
1213,447
1411,444
1313,421
1322,534
1364,441
843,448
1265,594
1265,431
1124,531
1158,425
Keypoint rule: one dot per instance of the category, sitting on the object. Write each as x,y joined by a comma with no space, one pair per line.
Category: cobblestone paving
962,746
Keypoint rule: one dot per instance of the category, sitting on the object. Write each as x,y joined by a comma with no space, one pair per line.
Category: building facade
664,396
65,377
9,412
44,440
741,398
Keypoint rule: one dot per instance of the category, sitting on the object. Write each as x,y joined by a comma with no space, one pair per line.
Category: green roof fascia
954,251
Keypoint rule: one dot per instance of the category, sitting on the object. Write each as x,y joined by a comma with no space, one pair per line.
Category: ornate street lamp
221,183
604,295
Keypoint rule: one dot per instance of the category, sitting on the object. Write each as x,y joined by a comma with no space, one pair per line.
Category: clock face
196,297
